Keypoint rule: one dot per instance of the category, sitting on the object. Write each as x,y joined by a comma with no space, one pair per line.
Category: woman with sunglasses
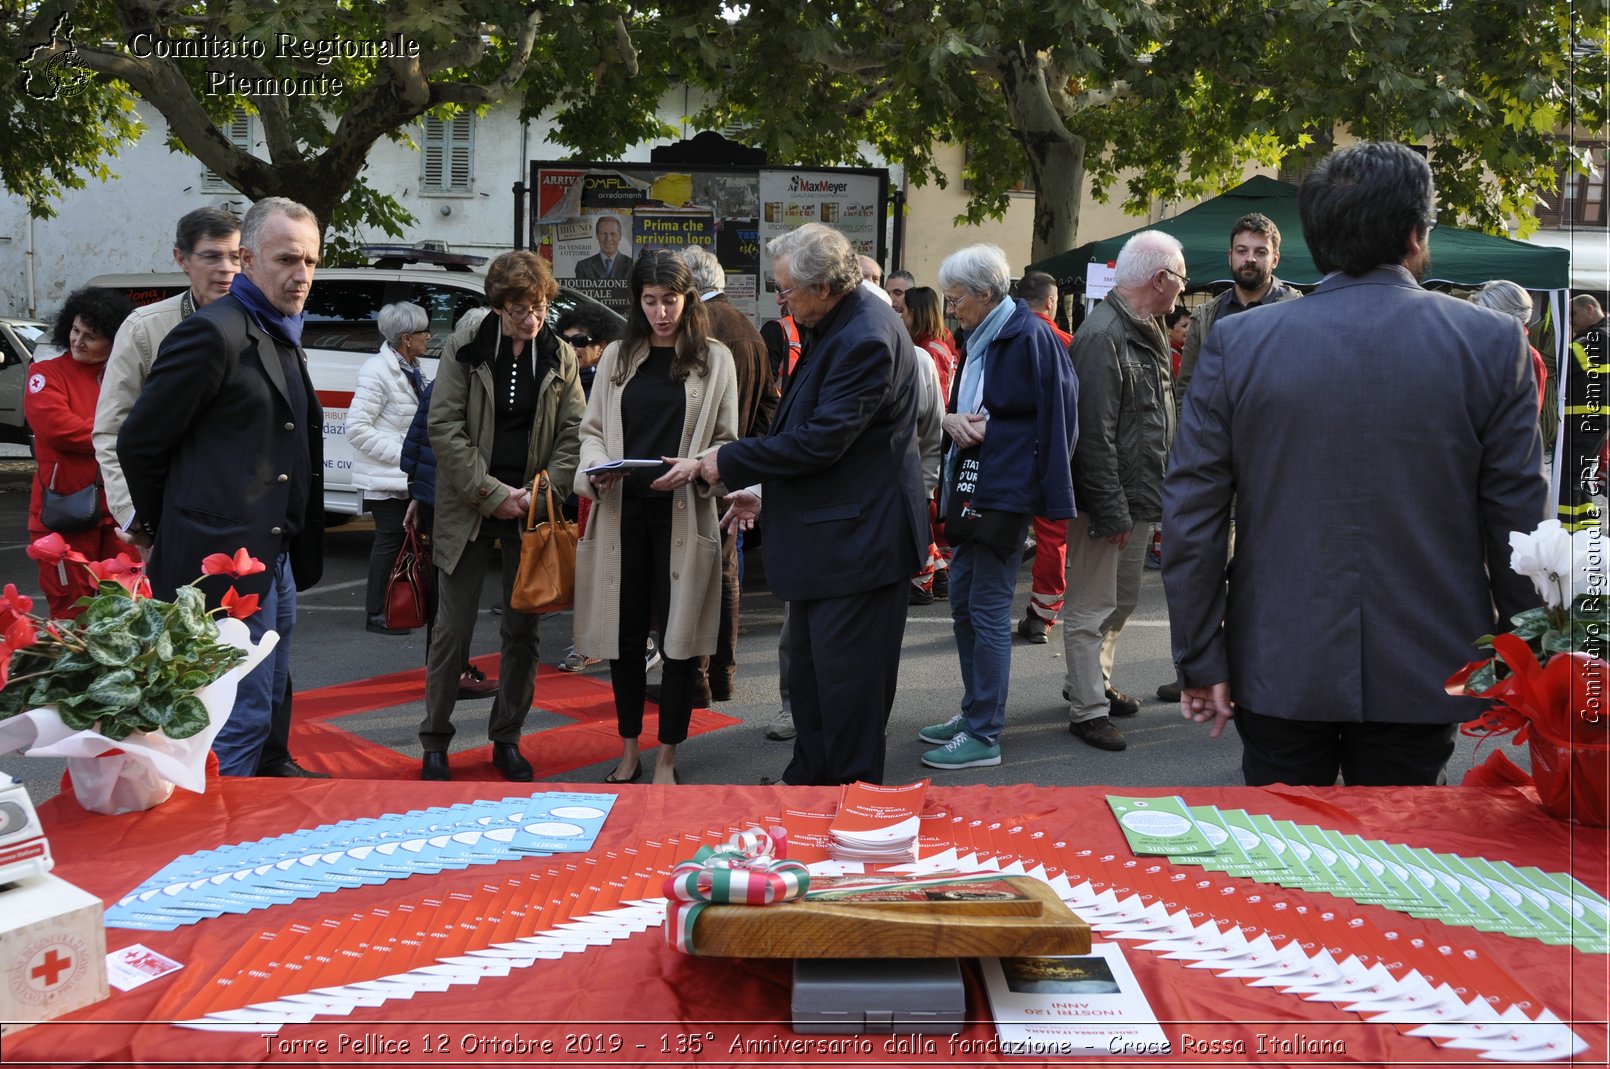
651,555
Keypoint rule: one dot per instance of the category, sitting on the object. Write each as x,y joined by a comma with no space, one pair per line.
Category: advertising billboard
590,220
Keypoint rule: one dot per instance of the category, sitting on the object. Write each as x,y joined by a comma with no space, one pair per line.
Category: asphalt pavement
331,646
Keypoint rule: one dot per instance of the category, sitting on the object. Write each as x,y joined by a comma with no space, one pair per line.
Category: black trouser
1584,439
277,747
719,669
843,666
388,513
645,530
1309,753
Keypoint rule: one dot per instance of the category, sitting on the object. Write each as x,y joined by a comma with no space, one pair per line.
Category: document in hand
623,465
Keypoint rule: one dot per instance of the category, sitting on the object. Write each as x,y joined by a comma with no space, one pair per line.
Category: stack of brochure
1467,891
877,824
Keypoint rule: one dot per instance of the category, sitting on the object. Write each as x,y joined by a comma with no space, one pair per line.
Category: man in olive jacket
1126,421
490,394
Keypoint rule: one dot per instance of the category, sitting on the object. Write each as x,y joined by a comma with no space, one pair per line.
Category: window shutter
448,165
238,132
459,146
434,141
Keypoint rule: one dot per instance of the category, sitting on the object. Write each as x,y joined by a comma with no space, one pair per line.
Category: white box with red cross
52,951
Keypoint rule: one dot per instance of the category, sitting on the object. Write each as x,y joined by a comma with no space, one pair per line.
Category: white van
339,331
17,340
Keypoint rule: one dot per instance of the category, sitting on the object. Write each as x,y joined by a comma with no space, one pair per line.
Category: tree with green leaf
78,65
1169,97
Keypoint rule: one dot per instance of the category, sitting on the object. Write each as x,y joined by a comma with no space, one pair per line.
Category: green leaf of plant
116,728
1558,642
1530,624
79,719
189,718
159,713
113,650
1483,678
116,690
109,610
191,604
148,622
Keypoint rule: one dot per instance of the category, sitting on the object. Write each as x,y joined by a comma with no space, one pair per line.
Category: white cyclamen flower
1561,565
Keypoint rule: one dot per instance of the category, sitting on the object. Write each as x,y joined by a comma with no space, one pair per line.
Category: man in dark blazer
1381,444
608,261
846,515
223,450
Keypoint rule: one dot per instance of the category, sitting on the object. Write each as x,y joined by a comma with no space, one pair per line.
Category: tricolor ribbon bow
750,869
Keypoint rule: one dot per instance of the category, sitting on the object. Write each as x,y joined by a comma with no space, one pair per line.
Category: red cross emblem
51,967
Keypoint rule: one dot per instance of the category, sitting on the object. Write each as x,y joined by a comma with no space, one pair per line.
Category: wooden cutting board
968,924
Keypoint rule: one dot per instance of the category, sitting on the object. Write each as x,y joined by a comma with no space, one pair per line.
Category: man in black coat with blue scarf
224,450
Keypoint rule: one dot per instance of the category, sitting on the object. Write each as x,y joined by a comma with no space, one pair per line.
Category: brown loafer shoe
1098,732
1121,704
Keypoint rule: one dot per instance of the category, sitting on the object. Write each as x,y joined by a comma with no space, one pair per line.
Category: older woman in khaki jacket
506,406
652,552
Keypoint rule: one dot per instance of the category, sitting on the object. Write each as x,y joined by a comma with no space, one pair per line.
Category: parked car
339,332
17,340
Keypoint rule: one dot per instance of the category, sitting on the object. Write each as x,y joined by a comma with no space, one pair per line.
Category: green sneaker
963,751
939,734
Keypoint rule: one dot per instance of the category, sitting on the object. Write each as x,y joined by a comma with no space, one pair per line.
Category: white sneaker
575,662
782,726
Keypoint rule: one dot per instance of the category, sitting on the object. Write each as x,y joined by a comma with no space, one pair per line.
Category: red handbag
408,588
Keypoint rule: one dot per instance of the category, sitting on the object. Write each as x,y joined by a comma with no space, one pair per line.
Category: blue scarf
286,328
970,395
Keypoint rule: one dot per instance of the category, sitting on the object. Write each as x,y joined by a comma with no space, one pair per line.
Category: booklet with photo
1089,1004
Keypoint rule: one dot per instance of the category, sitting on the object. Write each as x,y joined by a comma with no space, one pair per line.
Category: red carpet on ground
320,742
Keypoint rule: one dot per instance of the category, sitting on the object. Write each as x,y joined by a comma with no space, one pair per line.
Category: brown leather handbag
546,581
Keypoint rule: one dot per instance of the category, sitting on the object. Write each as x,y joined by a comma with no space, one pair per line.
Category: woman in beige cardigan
651,557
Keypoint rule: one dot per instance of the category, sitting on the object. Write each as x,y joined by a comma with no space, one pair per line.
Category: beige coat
710,419
133,350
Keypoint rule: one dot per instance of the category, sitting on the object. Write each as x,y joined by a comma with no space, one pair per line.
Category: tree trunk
1056,155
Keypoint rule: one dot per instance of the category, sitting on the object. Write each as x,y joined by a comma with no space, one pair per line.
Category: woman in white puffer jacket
389,385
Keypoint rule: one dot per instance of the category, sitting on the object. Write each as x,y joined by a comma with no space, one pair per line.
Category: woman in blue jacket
1011,427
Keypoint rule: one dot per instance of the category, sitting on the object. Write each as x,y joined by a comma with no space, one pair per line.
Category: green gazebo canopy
1461,257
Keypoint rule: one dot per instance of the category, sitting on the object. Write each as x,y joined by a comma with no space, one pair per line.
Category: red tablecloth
639,1002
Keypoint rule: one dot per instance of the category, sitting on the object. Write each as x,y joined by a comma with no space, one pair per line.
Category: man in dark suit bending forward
846,515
